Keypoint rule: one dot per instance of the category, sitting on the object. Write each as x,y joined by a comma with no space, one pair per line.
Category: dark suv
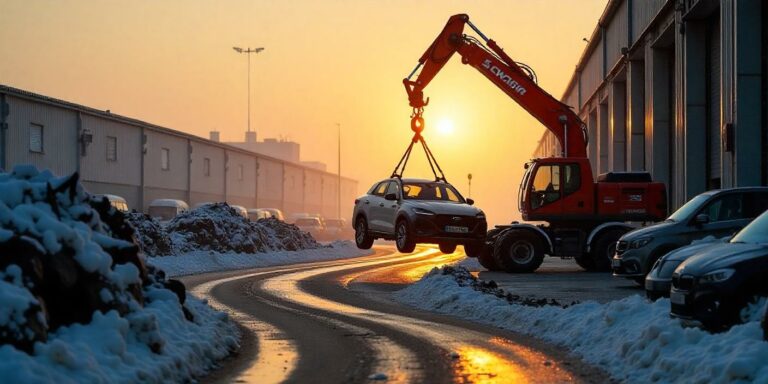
412,211
718,213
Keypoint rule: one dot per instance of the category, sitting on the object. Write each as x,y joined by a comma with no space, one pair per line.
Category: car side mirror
470,201
700,219
390,196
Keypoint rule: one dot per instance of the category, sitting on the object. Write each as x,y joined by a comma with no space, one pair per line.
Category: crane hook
417,124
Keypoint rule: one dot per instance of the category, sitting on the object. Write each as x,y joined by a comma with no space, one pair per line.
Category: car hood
684,253
444,208
721,256
650,230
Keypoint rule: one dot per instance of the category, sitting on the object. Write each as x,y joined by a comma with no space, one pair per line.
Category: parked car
336,229
412,211
255,214
115,201
313,225
717,213
713,286
166,209
659,280
276,213
240,210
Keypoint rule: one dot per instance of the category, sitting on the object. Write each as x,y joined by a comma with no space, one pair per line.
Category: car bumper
699,304
626,267
429,230
657,287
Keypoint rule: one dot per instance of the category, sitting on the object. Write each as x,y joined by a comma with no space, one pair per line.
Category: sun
445,127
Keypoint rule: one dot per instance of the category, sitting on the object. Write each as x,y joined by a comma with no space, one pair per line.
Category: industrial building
141,162
678,88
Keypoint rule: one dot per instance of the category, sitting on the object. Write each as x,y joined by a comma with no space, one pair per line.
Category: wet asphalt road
334,322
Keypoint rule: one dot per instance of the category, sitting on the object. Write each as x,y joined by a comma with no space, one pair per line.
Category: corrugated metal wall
211,184
592,74
643,12
293,180
270,185
616,36
96,167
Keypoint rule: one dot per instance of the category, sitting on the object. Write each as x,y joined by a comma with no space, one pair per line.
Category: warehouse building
678,88
141,161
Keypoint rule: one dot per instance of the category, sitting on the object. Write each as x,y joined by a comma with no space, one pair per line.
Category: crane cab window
545,186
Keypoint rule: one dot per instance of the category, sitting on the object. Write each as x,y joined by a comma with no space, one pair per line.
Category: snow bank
219,228
632,339
77,301
206,261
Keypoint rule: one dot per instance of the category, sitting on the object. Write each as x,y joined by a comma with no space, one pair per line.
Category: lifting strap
417,125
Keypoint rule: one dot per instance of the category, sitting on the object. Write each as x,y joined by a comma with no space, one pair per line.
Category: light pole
338,203
469,179
248,52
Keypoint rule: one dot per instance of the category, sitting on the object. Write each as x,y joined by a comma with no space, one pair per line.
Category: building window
111,148
207,166
165,159
36,138
240,172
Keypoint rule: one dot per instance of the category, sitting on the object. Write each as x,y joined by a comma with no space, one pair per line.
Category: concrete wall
682,87
236,175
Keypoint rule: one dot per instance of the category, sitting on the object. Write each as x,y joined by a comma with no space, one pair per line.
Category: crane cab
563,189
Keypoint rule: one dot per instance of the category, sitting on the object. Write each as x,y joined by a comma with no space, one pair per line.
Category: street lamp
469,179
248,51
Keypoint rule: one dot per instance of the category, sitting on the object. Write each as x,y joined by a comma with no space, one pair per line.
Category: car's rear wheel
518,251
474,249
585,261
403,238
447,248
363,238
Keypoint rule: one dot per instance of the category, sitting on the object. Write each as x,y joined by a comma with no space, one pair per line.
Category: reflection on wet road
333,321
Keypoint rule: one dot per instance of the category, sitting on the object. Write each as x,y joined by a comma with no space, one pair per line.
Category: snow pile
78,303
207,261
150,234
219,228
633,339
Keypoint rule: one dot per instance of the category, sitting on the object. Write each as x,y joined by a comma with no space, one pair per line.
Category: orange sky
171,63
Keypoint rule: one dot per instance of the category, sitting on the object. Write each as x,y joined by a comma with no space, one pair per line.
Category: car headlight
480,215
422,211
716,276
639,243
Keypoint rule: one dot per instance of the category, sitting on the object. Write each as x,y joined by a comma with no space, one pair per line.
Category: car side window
451,196
380,189
728,207
755,203
546,186
393,188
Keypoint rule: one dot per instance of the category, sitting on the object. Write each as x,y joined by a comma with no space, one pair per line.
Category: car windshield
431,191
308,222
688,208
756,232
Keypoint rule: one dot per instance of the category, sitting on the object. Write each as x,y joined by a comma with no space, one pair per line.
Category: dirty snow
207,261
634,340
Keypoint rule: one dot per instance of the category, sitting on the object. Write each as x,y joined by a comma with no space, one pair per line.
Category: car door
375,203
389,207
727,215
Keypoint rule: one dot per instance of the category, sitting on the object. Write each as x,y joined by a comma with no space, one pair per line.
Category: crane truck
582,217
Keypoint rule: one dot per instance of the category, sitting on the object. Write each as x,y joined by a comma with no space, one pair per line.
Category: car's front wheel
363,238
447,248
404,238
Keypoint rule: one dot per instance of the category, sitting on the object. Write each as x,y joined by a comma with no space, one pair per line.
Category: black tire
585,261
486,260
363,238
604,249
518,251
474,249
403,237
447,248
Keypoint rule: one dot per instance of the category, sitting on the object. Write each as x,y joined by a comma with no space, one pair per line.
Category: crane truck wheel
585,261
604,248
404,239
447,248
363,238
518,251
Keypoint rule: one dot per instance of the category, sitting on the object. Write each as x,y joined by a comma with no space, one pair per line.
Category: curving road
334,322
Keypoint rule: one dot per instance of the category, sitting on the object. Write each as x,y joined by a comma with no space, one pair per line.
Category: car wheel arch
604,228
536,231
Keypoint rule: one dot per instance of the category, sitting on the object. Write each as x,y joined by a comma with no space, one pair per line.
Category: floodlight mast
248,51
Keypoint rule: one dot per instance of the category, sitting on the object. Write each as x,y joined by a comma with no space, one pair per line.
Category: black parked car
713,286
412,211
658,282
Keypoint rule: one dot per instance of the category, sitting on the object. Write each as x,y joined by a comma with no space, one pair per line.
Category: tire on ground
474,249
484,252
404,239
363,238
585,261
447,247
519,251
604,249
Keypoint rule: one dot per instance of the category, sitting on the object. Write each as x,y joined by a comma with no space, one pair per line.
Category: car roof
736,189
415,180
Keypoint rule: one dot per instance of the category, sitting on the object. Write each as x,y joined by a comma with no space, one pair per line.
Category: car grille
621,247
464,221
684,282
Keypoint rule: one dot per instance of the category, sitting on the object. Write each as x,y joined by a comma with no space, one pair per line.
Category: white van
166,209
115,201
